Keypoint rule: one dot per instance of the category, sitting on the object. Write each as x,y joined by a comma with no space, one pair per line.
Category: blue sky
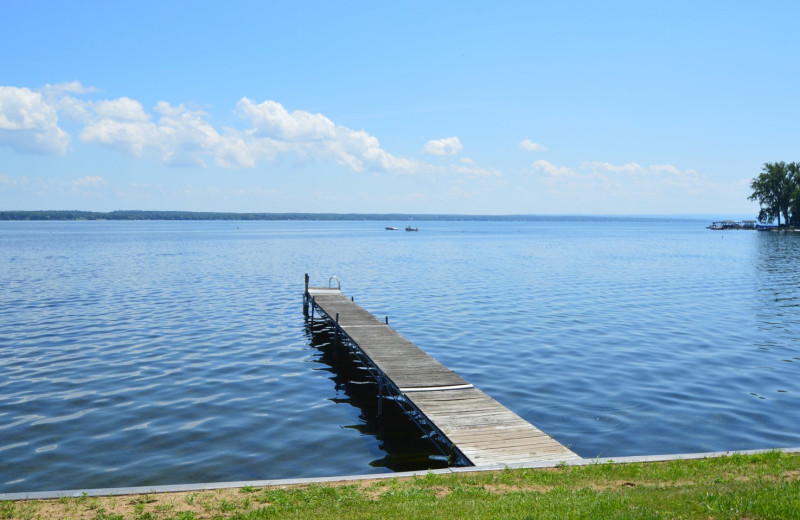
419,107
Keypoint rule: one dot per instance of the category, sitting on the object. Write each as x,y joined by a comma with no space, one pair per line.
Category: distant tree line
395,217
183,215
777,191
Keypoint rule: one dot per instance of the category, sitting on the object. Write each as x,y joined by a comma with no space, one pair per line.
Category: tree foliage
777,190
794,209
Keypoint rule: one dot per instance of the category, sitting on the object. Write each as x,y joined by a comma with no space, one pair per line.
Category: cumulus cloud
316,137
446,146
127,136
272,120
237,149
180,136
553,170
121,109
29,124
530,146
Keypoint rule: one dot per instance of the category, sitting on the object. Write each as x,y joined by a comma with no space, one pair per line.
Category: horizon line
366,213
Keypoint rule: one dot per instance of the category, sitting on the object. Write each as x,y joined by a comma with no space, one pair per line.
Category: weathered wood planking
485,431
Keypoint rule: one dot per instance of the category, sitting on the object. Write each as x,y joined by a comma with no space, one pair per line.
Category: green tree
774,189
794,208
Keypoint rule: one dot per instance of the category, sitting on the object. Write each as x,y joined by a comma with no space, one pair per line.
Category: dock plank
480,427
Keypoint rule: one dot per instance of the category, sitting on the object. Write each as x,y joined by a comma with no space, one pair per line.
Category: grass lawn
738,486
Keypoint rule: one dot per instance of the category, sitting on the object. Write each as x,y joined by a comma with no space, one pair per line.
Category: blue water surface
147,353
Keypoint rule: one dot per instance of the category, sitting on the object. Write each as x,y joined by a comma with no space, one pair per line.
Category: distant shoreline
70,215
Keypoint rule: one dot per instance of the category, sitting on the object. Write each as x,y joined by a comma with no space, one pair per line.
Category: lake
149,353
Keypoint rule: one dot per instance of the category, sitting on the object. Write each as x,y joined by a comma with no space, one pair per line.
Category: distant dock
470,426
734,224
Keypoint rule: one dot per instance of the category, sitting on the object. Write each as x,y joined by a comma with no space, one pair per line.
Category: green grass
761,486
764,486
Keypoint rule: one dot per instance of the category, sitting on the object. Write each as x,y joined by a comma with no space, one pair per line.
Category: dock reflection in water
398,437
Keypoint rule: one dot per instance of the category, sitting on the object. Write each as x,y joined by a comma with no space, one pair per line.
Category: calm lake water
146,353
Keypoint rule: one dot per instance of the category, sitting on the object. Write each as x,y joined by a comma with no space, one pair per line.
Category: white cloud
121,109
272,120
240,150
629,168
179,136
29,124
125,136
553,170
610,179
72,87
530,146
625,187
89,181
362,151
609,172
446,146
89,185
69,107
664,172
472,170
670,170
315,137
186,137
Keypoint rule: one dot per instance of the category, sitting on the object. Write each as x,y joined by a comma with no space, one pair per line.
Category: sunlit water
145,353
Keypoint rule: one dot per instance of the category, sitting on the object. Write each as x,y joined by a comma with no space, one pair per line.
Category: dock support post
312,309
380,395
305,298
336,343
387,319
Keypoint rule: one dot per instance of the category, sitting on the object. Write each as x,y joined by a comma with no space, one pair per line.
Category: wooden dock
475,428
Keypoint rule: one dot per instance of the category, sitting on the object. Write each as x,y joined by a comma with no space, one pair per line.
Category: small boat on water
390,228
409,228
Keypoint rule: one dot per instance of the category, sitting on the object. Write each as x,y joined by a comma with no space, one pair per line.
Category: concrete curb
175,488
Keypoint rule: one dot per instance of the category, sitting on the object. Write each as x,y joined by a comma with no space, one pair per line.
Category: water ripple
154,353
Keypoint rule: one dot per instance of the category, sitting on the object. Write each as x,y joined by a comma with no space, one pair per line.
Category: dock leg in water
305,298
380,395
